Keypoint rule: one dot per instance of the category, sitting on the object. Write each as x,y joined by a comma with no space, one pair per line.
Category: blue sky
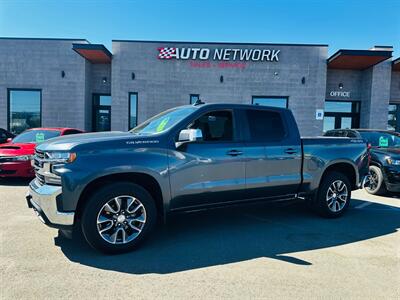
343,24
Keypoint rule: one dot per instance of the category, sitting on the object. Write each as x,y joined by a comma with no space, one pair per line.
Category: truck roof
236,105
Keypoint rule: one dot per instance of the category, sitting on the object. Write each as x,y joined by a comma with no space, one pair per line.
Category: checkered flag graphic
166,53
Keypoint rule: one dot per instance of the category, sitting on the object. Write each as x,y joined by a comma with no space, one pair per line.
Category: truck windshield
381,139
35,136
163,121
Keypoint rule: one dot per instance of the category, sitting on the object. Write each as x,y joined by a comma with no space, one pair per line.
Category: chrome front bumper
43,199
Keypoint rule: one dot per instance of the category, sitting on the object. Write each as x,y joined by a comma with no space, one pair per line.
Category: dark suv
385,157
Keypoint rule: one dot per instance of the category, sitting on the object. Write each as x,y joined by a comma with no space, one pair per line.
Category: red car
16,154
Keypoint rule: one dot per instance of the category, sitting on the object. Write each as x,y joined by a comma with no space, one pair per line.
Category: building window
24,109
271,101
133,109
194,98
341,115
394,117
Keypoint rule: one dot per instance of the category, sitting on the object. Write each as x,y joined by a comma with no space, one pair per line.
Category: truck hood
393,151
67,142
15,149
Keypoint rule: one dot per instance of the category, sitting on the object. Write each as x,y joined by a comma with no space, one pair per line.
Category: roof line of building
44,39
219,43
358,52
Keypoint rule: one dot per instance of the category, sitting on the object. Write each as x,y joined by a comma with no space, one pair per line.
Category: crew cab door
272,153
210,171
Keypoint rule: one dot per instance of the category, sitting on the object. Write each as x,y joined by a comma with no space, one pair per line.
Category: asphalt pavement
257,251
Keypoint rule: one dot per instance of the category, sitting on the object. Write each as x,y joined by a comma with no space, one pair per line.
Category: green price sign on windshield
39,137
162,124
383,141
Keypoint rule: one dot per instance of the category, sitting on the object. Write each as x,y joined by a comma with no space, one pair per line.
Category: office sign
339,94
224,54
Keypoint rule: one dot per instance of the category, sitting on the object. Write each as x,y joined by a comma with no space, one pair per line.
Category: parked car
116,184
385,158
16,155
5,135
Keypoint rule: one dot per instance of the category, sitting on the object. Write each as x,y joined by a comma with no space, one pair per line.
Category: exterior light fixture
221,79
62,74
133,76
104,80
303,80
340,86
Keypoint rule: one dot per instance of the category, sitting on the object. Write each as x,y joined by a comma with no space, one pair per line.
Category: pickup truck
114,186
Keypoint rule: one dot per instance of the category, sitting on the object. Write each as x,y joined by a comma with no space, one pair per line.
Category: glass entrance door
101,112
341,115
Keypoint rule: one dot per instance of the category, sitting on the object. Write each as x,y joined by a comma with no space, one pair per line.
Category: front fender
93,165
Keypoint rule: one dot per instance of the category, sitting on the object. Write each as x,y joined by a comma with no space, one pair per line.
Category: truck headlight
395,162
61,157
54,162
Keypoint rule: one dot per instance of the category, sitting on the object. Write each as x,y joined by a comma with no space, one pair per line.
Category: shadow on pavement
231,235
15,181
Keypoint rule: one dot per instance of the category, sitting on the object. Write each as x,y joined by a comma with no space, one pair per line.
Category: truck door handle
234,152
290,151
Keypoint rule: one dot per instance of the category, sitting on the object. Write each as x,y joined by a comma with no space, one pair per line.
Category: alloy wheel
372,181
121,219
336,196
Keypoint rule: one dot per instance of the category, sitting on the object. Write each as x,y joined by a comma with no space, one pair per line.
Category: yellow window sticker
39,137
162,124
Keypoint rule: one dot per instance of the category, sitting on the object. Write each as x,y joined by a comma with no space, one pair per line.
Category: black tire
376,185
320,202
96,203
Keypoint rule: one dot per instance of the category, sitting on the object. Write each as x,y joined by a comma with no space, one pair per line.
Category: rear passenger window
265,126
351,134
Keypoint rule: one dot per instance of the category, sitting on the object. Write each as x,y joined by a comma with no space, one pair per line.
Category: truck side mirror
189,136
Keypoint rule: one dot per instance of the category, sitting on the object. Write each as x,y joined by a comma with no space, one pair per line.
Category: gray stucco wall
371,87
375,95
162,84
37,64
95,85
351,80
395,87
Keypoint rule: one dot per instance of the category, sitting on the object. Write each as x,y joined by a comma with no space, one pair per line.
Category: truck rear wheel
118,217
333,196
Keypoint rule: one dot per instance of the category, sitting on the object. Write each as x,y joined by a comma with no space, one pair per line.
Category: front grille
40,178
38,165
5,159
39,154
7,172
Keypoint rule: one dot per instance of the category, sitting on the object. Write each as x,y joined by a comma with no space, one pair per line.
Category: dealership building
73,83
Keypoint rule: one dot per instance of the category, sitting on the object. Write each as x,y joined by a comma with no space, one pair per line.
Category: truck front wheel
333,196
118,217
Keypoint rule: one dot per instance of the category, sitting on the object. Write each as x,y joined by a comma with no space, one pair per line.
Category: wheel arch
148,182
344,167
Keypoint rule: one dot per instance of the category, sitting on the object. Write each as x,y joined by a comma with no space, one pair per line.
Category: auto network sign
227,54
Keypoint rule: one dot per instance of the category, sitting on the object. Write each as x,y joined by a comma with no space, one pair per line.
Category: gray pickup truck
115,185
